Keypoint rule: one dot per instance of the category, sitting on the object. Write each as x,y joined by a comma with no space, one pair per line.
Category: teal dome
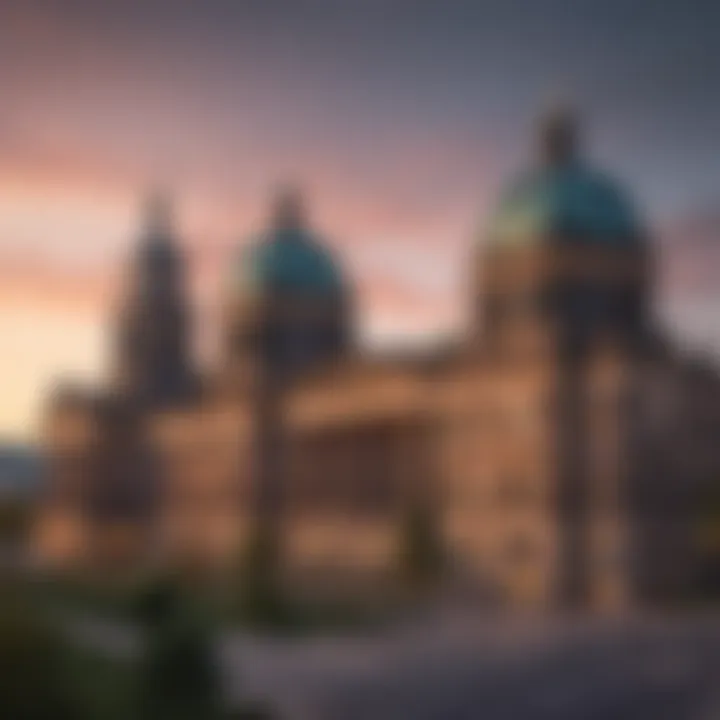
571,202
563,198
287,261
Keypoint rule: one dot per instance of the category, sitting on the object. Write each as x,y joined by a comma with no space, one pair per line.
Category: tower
288,308
288,313
566,263
564,285
153,367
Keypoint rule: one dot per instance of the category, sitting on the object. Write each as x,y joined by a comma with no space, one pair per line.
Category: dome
564,198
287,261
288,258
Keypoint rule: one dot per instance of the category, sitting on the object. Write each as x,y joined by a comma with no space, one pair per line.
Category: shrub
32,685
178,675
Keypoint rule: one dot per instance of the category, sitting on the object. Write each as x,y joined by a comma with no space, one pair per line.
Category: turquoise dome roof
290,260
564,198
569,201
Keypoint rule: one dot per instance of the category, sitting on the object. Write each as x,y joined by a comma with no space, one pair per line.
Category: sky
400,119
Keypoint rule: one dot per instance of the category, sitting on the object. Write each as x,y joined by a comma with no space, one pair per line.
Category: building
563,447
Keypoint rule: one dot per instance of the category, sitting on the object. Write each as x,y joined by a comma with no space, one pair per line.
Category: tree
178,675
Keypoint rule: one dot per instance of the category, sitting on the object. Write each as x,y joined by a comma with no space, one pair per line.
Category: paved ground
468,669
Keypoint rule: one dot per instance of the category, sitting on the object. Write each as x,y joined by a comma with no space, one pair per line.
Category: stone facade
563,445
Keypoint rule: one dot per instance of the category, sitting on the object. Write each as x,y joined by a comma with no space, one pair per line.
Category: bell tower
565,262
153,366
564,291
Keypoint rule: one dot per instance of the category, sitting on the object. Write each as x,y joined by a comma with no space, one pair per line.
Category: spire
558,135
288,209
157,215
153,363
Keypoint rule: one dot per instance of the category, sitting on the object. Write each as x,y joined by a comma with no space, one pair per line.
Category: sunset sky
401,119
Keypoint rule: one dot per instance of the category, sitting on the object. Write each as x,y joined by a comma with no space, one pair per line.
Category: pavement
473,668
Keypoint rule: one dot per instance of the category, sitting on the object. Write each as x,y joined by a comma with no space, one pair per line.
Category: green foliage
114,598
421,552
178,678
33,685
104,686
45,677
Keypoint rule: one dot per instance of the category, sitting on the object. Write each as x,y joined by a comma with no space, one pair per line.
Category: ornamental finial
559,130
